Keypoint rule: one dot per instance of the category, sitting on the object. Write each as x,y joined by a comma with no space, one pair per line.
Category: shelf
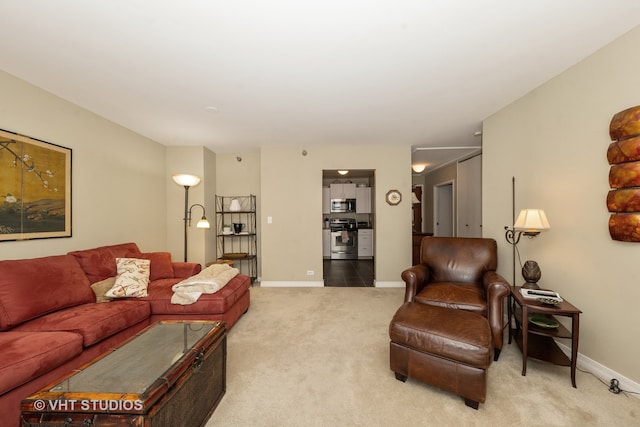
559,332
231,258
241,243
542,348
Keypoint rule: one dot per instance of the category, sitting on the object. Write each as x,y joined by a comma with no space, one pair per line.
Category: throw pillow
100,289
132,279
161,265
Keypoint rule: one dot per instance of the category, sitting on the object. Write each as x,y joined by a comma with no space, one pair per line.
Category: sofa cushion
100,289
94,321
32,287
159,297
161,265
461,296
185,269
100,263
27,355
132,279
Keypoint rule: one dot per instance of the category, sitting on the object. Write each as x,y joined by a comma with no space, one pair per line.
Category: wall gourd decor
623,200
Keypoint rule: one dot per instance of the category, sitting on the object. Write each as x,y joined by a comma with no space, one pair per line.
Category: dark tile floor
348,273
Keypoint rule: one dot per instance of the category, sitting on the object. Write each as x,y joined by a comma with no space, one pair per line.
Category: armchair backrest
459,259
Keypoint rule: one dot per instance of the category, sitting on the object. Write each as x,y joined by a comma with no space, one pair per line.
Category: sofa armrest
415,279
186,269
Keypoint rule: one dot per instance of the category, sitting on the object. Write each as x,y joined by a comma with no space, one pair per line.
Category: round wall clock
393,197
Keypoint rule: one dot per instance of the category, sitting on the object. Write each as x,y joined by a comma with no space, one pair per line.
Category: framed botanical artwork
35,188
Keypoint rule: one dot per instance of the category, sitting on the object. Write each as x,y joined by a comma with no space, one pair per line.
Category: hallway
348,273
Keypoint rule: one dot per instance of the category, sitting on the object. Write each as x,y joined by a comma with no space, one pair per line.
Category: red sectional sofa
50,322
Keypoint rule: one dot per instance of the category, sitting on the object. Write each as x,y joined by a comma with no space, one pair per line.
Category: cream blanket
208,281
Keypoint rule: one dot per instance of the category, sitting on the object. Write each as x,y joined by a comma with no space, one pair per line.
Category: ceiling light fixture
343,172
418,168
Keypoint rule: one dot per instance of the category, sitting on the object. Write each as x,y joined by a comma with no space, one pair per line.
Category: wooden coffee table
172,373
539,342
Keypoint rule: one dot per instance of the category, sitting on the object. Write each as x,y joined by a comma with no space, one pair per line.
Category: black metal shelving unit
242,247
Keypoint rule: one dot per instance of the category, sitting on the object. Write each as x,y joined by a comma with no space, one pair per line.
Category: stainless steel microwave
343,205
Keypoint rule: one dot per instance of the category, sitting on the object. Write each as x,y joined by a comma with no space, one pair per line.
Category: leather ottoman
444,347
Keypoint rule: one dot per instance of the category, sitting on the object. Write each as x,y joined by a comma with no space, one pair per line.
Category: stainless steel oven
344,239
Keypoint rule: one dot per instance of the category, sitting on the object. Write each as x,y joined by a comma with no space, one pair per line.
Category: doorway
417,208
443,212
354,222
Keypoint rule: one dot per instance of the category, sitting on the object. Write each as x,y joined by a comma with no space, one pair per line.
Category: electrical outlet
310,272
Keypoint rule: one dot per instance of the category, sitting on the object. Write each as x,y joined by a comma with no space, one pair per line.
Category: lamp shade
531,221
203,223
186,179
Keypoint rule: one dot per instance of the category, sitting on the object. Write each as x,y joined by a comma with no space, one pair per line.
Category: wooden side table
538,342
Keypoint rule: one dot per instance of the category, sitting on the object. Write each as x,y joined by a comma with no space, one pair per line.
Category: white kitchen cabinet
326,200
365,243
343,191
326,243
363,199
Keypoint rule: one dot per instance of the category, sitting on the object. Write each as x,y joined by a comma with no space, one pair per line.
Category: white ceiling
241,74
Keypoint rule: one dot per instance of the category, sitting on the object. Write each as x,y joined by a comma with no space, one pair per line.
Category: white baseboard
291,284
381,284
602,372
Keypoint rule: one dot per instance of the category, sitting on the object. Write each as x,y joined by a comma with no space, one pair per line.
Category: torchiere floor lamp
188,181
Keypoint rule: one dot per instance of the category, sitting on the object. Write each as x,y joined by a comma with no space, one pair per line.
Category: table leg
575,331
509,309
525,338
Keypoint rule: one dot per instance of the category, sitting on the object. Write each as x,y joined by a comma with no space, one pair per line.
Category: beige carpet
320,357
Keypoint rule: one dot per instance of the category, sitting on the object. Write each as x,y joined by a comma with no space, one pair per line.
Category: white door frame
449,201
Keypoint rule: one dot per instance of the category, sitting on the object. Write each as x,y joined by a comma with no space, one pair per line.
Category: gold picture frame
35,188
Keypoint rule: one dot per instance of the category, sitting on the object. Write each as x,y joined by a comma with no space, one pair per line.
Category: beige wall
118,180
554,141
291,189
241,178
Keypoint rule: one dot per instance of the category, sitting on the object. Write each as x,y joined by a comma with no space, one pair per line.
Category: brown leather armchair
460,273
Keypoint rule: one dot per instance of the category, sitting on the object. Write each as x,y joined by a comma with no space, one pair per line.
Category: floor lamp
530,223
188,181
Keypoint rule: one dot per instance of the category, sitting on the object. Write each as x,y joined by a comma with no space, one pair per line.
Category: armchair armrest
496,289
495,286
185,269
415,279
